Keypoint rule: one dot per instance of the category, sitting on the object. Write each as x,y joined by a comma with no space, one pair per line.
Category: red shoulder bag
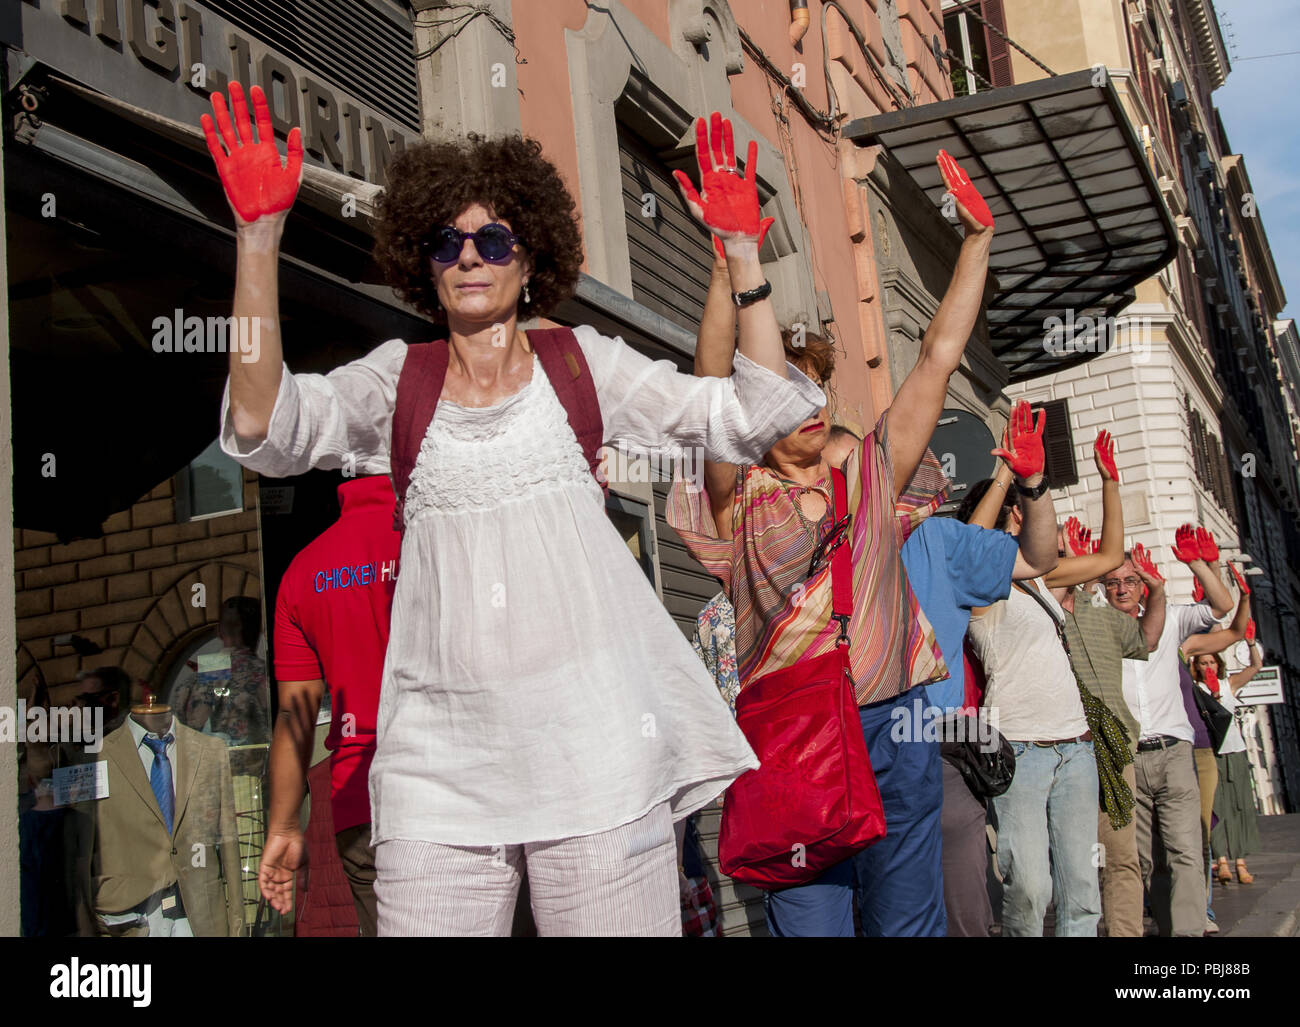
813,802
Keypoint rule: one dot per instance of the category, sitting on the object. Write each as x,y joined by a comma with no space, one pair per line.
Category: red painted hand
1104,453
1206,544
1185,546
1211,674
1241,581
1023,449
1077,537
1198,590
255,182
1250,630
1146,567
727,203
967,196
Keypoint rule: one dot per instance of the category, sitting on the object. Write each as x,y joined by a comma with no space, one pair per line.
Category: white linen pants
621,882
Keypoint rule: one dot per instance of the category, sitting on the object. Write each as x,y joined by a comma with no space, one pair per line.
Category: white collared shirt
139,734
1151,688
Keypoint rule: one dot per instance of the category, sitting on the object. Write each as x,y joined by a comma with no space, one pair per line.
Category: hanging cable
467,13
1007,39
818,119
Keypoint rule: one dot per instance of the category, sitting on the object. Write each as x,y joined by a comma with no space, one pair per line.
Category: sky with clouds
1260,107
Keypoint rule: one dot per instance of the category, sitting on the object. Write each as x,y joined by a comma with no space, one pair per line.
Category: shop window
1058,445
211,485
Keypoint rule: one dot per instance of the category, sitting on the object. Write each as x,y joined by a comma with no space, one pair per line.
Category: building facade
1191,381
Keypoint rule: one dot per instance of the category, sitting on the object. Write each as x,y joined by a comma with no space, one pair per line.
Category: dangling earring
527,298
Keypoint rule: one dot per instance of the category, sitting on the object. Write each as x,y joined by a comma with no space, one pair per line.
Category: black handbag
987,770
1218,721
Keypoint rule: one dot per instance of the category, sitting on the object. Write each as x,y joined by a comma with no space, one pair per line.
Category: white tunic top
1031,693
534,686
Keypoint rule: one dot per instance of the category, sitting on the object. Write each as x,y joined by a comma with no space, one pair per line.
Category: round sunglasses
494,243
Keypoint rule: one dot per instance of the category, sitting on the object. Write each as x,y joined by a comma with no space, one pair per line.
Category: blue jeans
899,879
1047,840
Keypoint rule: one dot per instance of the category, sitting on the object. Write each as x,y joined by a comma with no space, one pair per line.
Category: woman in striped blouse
755,528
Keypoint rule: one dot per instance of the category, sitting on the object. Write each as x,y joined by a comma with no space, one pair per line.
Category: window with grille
980,56
1059,469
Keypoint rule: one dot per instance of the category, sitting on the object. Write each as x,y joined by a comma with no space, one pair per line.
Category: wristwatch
1032,493
744,299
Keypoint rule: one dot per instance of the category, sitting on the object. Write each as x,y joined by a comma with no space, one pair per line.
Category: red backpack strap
566,368
418,387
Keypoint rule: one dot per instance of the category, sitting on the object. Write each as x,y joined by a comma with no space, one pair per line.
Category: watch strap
744,299
1032,493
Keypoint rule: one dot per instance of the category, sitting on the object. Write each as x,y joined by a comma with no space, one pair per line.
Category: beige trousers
1121,873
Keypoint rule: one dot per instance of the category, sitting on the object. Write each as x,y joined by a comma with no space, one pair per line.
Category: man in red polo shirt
331,630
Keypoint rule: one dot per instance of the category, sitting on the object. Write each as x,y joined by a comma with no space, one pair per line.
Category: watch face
1242,652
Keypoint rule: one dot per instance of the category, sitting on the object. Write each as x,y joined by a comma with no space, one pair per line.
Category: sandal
1225,874
1244,875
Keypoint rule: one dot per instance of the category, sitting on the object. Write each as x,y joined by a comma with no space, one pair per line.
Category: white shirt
1151,688
534,687
146,754
1031,693
1234,740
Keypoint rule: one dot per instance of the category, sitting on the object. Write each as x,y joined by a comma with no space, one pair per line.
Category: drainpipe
799,19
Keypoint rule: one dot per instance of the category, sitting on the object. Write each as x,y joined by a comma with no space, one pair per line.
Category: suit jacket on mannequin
125,853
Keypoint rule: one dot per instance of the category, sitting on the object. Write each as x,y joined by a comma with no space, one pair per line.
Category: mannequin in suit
136,876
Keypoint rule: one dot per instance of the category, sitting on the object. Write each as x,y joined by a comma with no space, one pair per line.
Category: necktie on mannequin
160,777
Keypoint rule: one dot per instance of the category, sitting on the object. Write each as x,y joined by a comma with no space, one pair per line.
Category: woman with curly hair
539,707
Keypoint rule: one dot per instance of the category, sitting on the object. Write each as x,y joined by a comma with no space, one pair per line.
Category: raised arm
260,192
985,514
715,349
1217,641
1238,679
1153,615
1023,451
1216,592
715,346
1196,548
919,401
727,205
1075,570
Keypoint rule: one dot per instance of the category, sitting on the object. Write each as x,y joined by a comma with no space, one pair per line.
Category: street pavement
1270,906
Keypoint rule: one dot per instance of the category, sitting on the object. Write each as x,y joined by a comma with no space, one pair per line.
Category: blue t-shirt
954,567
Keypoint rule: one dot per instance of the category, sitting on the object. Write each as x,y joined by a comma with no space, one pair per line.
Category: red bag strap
424,371
841,559
418,387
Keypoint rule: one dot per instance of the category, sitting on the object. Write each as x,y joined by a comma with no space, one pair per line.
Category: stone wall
131,592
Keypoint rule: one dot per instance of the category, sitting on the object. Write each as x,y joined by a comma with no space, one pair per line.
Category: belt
1085,737
1158,742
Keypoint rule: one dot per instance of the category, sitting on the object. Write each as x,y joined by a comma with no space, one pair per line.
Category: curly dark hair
430,183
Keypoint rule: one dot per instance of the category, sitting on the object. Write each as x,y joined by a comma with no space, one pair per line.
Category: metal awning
1080,218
